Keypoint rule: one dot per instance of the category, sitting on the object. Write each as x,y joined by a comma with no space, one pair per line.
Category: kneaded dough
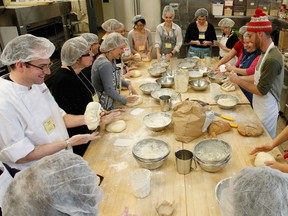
262,157
92,115
116,126
165,209
250,129
137,102
146,59
136,73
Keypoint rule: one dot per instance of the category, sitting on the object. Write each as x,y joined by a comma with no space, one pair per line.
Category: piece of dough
218,127
116,126
137,102
92,115
165,209
262,157
136,73
146,59
228,85
250,129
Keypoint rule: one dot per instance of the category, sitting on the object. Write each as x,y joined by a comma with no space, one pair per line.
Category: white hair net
73,49
242,30
168,9
226,22
59,184
257,191
201,12
111,25
90,38
113,41
137,18
26,48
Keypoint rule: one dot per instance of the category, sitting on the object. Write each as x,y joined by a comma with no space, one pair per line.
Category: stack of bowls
212,154
150,153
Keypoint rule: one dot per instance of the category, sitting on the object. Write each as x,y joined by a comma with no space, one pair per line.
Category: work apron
266,106
140,41
105,100
168,42
223,53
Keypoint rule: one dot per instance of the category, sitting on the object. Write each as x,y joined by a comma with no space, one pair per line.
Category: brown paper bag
188,118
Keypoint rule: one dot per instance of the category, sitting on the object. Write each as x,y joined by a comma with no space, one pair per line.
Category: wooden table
191,194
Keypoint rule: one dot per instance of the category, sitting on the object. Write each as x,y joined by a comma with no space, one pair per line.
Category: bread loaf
219,127
250,129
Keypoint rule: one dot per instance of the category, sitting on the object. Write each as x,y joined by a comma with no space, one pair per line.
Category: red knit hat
259,22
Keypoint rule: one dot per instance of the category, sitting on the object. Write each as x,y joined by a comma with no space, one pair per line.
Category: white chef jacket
5,180
24,114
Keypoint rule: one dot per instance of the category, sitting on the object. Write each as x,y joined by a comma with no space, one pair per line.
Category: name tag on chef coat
49,125
168,45
141,48
201,35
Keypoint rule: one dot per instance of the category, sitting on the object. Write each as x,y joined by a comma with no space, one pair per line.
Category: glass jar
181,79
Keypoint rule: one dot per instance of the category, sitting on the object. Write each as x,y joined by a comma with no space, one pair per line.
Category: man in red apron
266,84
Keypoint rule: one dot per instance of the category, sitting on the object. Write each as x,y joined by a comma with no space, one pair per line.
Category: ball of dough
136,73
116,126
92,115
146,59
137,102
250,129
262,157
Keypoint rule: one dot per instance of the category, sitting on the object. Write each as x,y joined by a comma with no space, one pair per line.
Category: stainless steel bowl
147,88
169,73
224,183
216,78
157,121
199,84
160,64
212,151
187,64
193,74
213,167
150,153
226,101
166,82
164,91
156,71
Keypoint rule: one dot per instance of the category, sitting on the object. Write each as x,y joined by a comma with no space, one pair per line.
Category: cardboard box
228,3
252,4
282,42
240,2
228,11
217,9
239,10
265,6
250,12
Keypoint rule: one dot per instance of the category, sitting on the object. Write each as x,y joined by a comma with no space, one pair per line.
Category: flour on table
136,111
123,142
119,166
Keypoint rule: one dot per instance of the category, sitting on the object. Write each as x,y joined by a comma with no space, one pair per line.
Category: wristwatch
68,144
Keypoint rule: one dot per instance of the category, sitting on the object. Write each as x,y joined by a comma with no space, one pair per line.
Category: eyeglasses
43,68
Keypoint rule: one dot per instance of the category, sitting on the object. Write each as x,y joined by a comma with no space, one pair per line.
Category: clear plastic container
181,80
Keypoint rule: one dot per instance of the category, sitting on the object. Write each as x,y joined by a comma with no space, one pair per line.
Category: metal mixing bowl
216,78
226,101
213,167
156,71
150,153
212,151
157,121
166,82
199,84
161,64
224,183
147,88
164,91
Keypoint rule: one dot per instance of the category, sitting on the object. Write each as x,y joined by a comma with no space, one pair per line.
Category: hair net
168,9
26,48
59,184
242,30
90,38
111,25
137,18
226,22
113,41
256,191
201,12
73,49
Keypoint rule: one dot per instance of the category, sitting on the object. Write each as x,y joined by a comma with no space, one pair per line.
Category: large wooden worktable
192,194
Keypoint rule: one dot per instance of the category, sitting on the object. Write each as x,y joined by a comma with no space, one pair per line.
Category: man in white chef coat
31,123
266,84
